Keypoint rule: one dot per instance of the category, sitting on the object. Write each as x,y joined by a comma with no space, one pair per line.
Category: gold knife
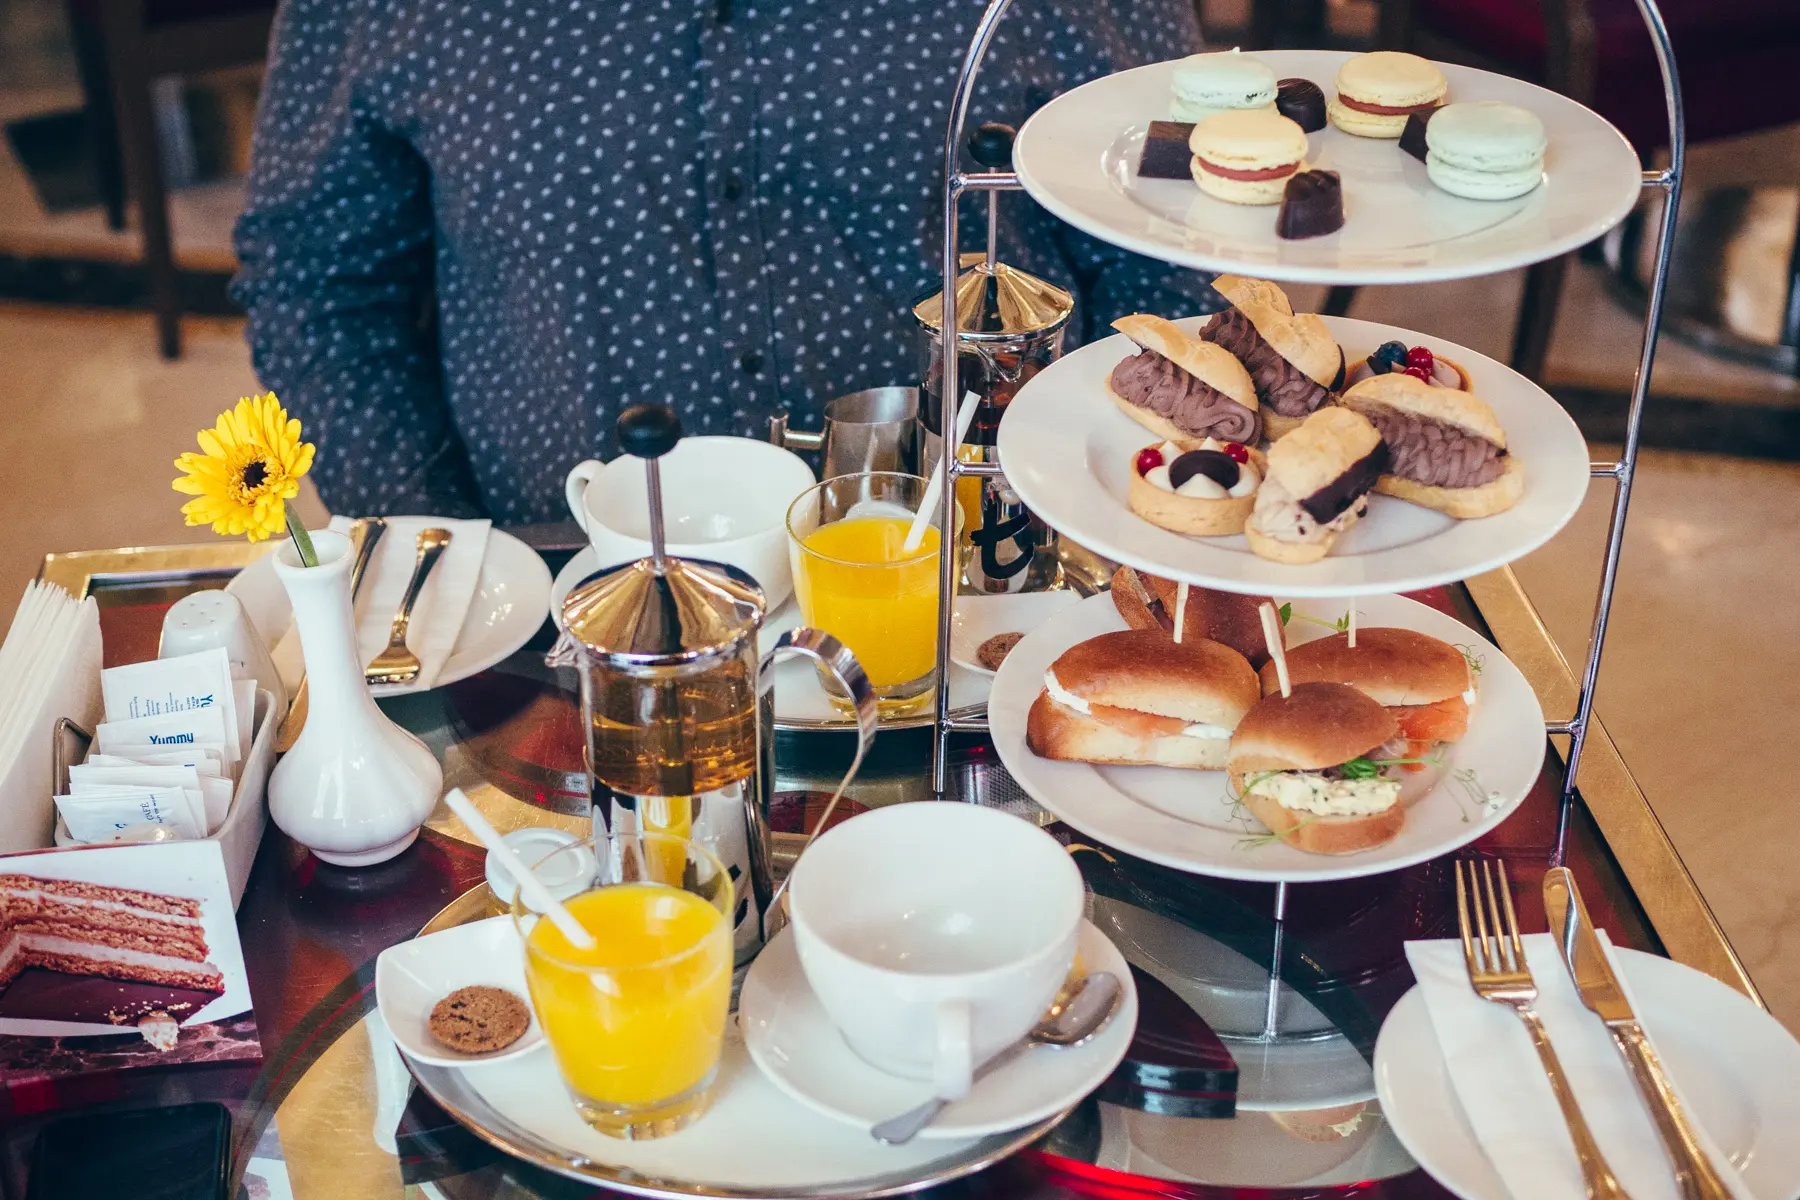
1600,991
364,533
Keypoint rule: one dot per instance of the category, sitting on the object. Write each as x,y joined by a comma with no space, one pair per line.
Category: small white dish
511,598
795,1044
1734,1063
412,977
979,618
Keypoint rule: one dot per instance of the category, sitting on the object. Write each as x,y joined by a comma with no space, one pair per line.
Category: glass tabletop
332,1107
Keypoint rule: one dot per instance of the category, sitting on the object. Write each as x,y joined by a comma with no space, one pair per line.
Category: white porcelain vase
356,787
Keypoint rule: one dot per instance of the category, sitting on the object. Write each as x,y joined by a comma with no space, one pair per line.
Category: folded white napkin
49,669
1503,1090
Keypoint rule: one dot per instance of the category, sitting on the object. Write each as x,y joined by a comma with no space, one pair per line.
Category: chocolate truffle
1313,205
1302,102
1412,138
1166,153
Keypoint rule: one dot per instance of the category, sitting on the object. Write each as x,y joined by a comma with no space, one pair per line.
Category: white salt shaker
211,619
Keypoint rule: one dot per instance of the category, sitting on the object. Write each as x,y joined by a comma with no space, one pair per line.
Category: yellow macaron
1247,156
1376,92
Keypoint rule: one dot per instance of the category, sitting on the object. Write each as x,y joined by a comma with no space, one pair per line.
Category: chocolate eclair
1317,486
1293,361
1447,448
1181,388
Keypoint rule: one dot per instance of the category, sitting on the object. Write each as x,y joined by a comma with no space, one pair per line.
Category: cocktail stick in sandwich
1317,487
1180,388
1148,602
1307,766
1424,683
1137,699
1294,362
1447,448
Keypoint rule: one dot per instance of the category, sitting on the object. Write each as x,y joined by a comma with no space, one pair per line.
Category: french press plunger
678,707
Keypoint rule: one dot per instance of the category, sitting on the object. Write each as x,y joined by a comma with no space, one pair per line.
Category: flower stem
302,540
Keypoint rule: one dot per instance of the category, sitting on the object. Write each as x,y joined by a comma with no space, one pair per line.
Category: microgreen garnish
1341,625
1476,661
1487,800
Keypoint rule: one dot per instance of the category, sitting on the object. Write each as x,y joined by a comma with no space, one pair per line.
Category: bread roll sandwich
1203,489
1424,683
1305,765
1181,388
1148,602
1447,449
1317,487
1135,698
1294,362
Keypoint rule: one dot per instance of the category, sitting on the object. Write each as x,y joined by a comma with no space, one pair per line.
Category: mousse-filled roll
1424,682
1293,361
1317,487
1135,698
1148,602
1305,765
1203,489
1447,450
1181,388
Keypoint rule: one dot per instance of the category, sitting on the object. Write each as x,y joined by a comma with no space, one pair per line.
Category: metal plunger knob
649,431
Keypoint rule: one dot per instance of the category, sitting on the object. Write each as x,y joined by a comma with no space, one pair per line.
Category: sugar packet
99,815
166,686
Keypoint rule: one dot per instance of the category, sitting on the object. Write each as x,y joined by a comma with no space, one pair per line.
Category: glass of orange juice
853,580
637,1022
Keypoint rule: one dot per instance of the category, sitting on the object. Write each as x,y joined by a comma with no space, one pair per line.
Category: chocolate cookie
479,1020
993,651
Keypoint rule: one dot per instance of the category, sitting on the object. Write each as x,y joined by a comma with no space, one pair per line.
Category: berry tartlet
1204,489
1417,361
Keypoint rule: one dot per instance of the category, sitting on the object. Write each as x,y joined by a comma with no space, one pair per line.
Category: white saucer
412,977
800,702
794,1043
978,618
1733,1062
512,596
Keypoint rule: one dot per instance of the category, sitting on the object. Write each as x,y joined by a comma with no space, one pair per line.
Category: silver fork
1498,972
397,664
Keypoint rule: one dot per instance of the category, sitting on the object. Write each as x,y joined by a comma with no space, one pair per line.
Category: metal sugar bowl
677,703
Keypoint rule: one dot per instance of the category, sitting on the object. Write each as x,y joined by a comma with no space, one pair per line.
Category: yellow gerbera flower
250,466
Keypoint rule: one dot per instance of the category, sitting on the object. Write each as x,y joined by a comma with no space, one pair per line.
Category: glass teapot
677,703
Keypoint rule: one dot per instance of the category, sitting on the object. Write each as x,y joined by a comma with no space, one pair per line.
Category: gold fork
1498,972
397,664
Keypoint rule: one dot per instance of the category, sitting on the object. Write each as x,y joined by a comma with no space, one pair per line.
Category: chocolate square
1412,138
1166,153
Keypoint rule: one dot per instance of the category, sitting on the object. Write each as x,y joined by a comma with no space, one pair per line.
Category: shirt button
750,361
734,187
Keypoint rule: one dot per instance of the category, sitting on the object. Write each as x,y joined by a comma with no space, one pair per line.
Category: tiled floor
1700,679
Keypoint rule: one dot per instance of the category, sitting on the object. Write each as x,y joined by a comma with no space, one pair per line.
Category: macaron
1485,150
1376,92
1205,84
1247,157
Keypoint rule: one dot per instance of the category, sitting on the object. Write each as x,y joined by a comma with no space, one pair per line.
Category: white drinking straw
536,894
1180,610
1271,623
934,484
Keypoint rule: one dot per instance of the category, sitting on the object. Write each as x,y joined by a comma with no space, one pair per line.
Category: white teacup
935,934
725,499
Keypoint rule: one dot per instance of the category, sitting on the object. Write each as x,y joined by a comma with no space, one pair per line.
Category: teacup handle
953,1069
837,661
575,488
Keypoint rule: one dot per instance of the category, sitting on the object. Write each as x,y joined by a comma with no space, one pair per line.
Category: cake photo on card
75,951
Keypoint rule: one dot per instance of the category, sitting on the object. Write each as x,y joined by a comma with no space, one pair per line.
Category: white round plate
512,597
795,1044
412,977
1078,157
1186,819
800,702
978,618
1734,1062
1068,452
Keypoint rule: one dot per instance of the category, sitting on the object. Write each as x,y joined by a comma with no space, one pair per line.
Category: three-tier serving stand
1621,471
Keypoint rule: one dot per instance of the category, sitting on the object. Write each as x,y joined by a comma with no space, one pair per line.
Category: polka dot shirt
478,229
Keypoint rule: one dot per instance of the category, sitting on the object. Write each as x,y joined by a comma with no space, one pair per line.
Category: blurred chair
1738,61
120,47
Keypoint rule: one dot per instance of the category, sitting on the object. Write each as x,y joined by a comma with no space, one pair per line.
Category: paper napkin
49,669
1503,1090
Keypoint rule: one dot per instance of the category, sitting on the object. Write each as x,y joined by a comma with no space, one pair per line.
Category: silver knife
1600,991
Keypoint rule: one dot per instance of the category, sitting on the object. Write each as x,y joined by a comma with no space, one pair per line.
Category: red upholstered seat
1739,59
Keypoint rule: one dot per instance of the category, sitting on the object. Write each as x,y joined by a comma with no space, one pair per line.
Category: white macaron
1206,84
1485,150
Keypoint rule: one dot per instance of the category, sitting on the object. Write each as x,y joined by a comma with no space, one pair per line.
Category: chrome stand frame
957,182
